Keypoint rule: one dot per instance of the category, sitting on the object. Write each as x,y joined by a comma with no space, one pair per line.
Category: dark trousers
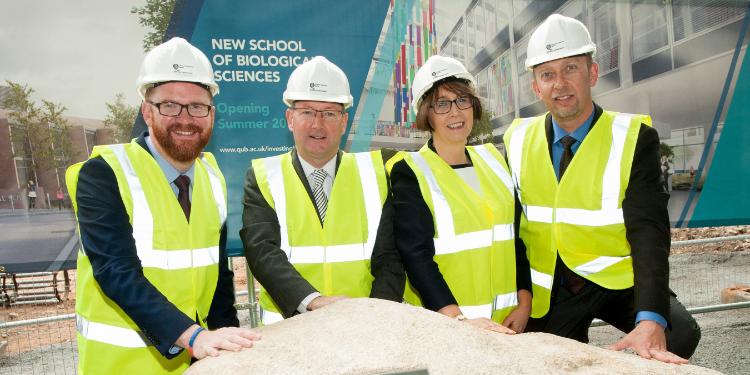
570,316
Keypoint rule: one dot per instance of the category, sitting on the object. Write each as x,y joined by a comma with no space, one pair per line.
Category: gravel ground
696,277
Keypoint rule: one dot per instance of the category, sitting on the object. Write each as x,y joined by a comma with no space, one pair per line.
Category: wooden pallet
33,288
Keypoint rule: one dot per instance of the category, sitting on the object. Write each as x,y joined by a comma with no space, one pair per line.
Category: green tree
61,150
39,135
120,118
154,16
666,150
481,132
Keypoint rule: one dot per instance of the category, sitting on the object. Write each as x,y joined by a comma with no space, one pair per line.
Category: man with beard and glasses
595,220
154,288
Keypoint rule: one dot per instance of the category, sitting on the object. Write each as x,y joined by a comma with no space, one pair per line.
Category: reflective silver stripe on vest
447,241
538,213
371,194
516,150
328,254
143,226
109,334
443,216
333,253
495,166
501,301
542,279
217,189
611,180
275,177
598,264
270,317
506,300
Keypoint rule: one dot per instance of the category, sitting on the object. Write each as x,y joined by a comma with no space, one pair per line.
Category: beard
182,151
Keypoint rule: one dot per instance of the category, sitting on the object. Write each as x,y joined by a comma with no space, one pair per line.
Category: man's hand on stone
647,339
321,301
207,343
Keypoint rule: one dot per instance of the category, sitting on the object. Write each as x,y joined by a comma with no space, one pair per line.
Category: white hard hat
434,69
318,80
175,60
557,37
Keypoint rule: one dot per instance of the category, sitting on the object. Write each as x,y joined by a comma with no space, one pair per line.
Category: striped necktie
321,200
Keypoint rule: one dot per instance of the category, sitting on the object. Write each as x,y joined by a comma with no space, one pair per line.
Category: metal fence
39,337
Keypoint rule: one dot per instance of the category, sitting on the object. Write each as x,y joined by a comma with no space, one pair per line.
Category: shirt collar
579,134
329,167
170,172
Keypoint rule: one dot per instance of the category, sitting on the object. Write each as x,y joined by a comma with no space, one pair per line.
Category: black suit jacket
107,238
261,238
646,220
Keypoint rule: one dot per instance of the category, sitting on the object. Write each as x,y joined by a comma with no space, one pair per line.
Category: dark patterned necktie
321,201
571,280
183,195
567,142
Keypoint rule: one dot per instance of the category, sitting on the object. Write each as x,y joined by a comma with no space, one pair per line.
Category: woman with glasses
455,210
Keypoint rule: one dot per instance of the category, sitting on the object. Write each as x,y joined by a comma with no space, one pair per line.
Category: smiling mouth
318,137
184,133
457,125
564,97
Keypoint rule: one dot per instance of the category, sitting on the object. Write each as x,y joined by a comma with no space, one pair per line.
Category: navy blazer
107,239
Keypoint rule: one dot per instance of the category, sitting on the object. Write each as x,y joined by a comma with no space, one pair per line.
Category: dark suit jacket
261,237
107,238
646,220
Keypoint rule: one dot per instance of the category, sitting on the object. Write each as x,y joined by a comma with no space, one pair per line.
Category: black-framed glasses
329,116
443,106
172,109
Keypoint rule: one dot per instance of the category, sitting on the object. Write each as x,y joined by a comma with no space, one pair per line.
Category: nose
318,120
184,115
454,107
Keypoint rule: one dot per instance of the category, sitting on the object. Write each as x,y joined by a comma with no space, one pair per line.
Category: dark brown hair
455,85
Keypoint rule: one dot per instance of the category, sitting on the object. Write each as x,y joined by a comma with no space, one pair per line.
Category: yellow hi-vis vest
581,216
179,258
334,258
474,235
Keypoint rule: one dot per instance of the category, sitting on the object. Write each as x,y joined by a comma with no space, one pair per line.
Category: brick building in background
15,172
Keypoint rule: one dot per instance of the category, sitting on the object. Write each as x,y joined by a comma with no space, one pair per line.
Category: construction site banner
253,49
381,44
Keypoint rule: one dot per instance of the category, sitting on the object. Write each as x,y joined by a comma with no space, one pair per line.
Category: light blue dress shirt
169,171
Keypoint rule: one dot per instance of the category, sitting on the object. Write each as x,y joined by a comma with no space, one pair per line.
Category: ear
535,87
594,74
344,121
289,114
147,111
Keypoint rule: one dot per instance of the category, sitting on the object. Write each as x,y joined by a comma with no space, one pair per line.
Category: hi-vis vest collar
143,222
333,253
610,212
447,241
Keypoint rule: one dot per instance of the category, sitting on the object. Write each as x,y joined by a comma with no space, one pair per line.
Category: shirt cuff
650,315
302,308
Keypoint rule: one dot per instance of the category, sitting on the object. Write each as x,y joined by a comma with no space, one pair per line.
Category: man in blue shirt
560,55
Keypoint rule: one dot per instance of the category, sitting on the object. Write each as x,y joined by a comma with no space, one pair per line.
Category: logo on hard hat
318,87
439,73
182,69
552,47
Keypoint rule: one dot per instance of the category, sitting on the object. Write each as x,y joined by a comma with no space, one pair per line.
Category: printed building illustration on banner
418,45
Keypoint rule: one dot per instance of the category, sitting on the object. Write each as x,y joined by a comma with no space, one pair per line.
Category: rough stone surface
368,336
